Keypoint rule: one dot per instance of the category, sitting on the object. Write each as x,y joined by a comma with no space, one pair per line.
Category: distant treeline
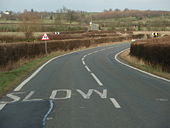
130,13
70,20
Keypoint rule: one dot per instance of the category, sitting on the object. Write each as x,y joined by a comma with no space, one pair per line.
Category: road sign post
45,38
46,47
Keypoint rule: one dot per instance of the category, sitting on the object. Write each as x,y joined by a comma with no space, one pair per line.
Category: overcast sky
85,5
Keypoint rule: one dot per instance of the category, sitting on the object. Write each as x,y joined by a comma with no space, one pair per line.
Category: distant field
118,21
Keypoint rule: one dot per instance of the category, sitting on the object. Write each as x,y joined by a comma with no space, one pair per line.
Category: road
88,89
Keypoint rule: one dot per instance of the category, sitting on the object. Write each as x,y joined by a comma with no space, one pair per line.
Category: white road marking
97,80
115,103
27,98
68,93
89,54
150,74
2,106
83,63
84,95
87,69
54,93
13,97
29,95
87,95
162,99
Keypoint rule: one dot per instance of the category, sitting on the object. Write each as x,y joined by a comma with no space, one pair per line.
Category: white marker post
45,38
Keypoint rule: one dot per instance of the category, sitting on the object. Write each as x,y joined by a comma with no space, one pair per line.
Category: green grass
9,79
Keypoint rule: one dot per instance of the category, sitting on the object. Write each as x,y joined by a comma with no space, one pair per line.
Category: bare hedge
12,52
154,51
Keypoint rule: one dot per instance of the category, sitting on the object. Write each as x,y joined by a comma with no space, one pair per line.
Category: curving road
88,89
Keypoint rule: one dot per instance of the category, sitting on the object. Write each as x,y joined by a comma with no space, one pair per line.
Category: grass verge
10,79
134,61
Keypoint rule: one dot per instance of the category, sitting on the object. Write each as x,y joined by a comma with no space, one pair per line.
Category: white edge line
150,74
97,80
115,103
50,109
2,106
19,87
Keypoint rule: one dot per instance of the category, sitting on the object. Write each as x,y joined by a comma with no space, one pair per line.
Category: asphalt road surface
88,89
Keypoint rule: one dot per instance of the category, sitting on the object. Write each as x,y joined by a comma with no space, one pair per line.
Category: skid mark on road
49,111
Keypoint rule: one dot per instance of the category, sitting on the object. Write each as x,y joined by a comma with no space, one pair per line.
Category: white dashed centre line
88,69
97,80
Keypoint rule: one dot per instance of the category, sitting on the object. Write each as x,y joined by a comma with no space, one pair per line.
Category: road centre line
97,80
87,69
83,63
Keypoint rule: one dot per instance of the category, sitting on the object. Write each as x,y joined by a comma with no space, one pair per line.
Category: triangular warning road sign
45,37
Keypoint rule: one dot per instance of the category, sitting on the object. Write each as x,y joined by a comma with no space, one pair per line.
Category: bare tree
29,23
71,16
58,17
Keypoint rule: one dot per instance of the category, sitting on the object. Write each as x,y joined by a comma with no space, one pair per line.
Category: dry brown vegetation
12,52
155,52
141,64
